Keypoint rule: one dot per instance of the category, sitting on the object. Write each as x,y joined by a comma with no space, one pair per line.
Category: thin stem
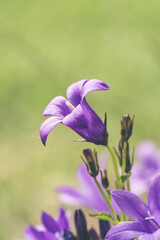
124,158
128,185
108,201
123,216
115,167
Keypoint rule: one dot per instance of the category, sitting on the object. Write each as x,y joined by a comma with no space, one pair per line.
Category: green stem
124,158
122,216
128,186
108,201
115,167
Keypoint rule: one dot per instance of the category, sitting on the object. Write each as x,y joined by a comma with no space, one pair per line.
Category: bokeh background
47,45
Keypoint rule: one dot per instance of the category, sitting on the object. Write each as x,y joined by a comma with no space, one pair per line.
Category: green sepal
103,216
125,177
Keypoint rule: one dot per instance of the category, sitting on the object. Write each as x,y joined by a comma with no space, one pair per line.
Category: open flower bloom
146,167
51,229
76,113
87,194
59,229
147,218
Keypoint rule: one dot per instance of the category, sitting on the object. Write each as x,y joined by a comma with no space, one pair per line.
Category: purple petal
133,206
76,119
80,89
85,196
50,224
151,236
74,92
57,107
148,156
96,131
126,231
47,126
33,234
146,168
115,207
63,221
94,85
71,196
90,190
153,198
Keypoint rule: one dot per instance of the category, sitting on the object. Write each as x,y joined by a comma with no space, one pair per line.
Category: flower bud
104,179
81,225
126,127
67,235
92,235
91,162
104,227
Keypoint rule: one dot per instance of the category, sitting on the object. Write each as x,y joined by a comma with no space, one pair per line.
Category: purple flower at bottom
76,113
59,229
147,218
51,229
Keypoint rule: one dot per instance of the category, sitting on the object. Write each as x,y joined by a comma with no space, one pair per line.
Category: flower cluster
59,229
115,200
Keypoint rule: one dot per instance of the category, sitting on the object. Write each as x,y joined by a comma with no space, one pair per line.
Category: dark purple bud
81,225
104,227
104,179
93,235
91,161
67,235
126,127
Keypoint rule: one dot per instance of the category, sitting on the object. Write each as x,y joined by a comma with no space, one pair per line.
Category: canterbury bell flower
76,114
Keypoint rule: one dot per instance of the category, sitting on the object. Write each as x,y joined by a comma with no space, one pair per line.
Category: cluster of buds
126,127
82,231
126,133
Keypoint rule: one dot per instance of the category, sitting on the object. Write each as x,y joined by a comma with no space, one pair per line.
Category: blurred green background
47,45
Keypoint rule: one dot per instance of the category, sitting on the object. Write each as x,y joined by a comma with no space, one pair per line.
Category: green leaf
103,216
125,177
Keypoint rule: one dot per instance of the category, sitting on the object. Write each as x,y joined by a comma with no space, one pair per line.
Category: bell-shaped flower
51,229
76,113
87,194
147,218
58,229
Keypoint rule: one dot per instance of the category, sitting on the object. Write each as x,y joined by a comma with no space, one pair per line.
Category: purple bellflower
51,229
76,113
146,167
59,229
87,195
147,218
